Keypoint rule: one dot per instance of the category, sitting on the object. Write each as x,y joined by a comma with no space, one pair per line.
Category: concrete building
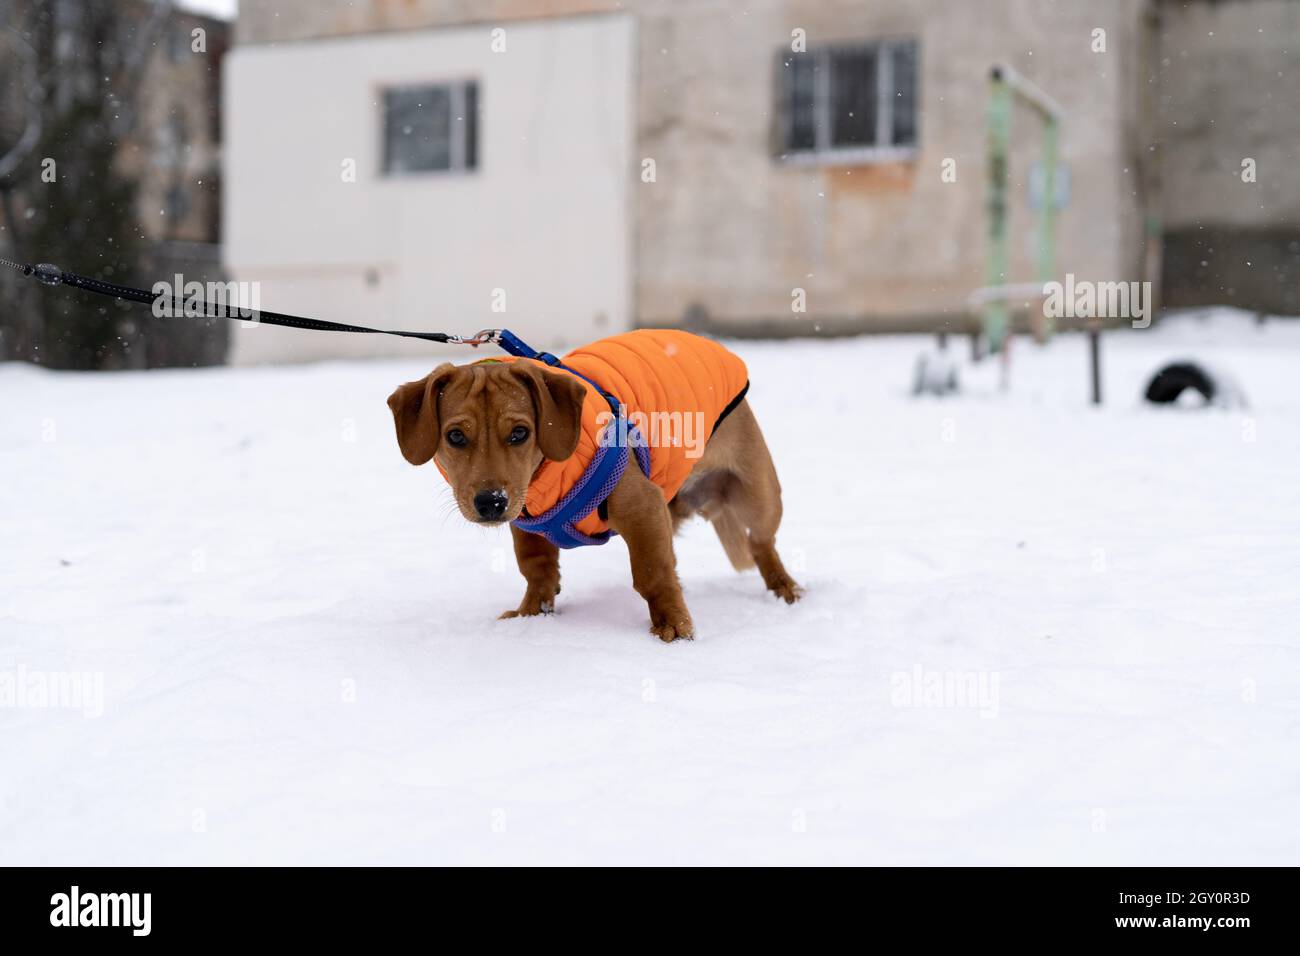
715,165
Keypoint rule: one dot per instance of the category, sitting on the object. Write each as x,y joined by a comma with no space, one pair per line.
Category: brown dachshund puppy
490,427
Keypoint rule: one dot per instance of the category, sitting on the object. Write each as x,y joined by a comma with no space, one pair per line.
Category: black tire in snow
1173,379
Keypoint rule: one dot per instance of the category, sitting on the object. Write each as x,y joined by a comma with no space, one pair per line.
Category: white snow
301,663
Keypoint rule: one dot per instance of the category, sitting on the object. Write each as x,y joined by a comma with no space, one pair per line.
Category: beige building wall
728,231
881,246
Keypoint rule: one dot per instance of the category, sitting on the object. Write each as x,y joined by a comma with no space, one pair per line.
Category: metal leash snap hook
483,337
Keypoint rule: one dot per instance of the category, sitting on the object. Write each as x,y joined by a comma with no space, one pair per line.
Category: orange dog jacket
657,394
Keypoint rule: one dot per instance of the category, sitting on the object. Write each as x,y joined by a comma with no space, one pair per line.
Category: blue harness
597,482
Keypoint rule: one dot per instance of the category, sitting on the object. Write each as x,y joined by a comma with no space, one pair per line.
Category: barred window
848,101
428,128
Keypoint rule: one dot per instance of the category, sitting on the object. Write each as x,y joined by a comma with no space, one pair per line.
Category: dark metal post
1094,349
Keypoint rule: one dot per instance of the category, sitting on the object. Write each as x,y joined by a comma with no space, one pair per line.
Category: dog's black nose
490,505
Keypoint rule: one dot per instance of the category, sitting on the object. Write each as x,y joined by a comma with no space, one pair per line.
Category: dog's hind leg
752,499
758,506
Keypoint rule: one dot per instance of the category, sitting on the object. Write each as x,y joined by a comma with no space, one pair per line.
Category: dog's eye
518,435
456,438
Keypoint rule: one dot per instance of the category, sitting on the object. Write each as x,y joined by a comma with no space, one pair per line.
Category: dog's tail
734,538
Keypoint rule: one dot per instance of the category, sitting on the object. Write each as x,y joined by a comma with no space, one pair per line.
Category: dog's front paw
681,630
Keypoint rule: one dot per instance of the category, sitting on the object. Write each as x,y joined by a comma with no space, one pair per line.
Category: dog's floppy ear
415,413
557,400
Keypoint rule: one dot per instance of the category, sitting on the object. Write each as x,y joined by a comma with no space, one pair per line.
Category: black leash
52,275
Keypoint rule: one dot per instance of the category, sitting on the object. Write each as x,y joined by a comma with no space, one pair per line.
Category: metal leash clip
482,337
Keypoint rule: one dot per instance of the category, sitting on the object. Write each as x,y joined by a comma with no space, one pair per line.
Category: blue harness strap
597,481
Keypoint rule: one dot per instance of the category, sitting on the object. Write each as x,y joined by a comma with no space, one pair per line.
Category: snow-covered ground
1034,631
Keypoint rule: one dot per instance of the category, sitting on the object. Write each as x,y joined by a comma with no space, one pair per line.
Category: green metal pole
999,147
1047,215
